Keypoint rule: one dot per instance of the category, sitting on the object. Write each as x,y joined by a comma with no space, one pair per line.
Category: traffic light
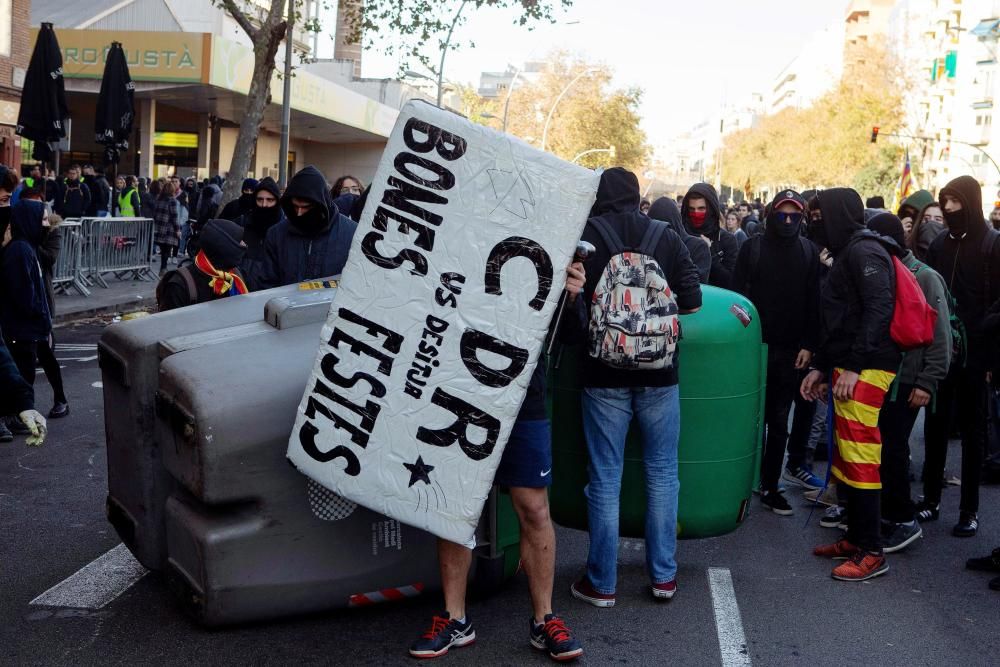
875,134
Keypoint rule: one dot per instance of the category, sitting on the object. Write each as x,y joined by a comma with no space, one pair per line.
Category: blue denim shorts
527,459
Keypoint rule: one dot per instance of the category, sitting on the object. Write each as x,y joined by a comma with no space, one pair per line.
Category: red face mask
697,218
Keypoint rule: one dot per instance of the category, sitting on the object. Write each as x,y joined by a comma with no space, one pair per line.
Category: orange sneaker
841,550
861,567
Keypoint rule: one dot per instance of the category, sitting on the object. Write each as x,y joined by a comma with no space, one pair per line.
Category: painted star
419,471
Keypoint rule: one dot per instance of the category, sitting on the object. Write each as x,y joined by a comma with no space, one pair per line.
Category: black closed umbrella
43,100
115,110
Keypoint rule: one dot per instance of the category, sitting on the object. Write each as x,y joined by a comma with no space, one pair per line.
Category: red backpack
913,319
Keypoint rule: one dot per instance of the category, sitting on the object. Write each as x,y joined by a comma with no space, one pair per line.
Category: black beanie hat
887,224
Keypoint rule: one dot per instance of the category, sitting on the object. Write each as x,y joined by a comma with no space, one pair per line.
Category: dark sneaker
553,636
776,502
901,536
802,476
989,563
582,590
834,517
17,427
59,410
443,634
927,511
840,550
5,434
665,591
967,525
862,566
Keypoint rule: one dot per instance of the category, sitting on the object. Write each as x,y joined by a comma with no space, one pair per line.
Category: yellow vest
125,208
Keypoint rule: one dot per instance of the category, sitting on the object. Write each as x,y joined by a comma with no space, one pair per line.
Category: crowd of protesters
822,268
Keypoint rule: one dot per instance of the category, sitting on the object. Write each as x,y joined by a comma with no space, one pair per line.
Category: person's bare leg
538,546
455,561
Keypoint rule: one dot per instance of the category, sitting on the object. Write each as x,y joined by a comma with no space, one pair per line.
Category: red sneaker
665,591
862,566
582,590
841,550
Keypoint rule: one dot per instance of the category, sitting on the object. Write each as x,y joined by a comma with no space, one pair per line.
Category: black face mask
817,234
4,220
312,222
783,228
265,217
957,222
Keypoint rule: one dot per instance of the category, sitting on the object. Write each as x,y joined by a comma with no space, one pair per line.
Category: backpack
913,318
185,273
634,323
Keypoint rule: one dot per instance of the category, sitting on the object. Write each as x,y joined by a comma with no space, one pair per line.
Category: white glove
36,424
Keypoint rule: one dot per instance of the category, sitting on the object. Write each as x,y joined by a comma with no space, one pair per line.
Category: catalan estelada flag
858,454
906,185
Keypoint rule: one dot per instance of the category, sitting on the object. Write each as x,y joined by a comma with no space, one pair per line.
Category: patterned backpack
634,321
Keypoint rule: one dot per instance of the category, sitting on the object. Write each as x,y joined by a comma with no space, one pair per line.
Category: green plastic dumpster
722,373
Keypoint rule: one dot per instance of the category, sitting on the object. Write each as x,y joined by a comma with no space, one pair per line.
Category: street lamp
444,49
517,73
610,150
545,128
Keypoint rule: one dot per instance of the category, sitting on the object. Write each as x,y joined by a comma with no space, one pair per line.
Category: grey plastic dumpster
129,357
246,536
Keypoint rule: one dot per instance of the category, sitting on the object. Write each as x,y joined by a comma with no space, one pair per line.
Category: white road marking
96,584
97,385
728,624
91,358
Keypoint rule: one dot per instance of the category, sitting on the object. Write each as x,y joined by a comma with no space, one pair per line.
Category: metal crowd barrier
120,246
66,273
95,247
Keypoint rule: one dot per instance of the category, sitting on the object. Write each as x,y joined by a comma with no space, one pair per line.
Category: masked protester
916,384
703,220
314,239
909,211
968,257
856,354
666,210
244,204
214,273
265,214
779,272
927,226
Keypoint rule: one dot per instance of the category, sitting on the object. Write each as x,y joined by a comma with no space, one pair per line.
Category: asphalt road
927,611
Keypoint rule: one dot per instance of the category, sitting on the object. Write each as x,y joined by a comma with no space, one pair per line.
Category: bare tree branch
240,17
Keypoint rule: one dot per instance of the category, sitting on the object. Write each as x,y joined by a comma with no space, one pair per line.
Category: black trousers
863,517
166,251
967,387
799,454
25,357
47,360
895,423
782,384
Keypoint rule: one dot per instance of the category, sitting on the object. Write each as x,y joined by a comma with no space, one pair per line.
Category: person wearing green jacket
914,388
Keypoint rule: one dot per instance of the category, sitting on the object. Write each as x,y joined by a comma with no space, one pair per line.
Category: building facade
15,52
192,65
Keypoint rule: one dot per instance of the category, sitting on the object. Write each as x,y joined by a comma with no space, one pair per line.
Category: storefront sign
453,278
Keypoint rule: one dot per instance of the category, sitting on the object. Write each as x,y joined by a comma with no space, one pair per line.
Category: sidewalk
120,297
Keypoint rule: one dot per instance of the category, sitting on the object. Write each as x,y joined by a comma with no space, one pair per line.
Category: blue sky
687,56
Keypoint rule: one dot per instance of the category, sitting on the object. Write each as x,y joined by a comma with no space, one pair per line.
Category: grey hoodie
925,367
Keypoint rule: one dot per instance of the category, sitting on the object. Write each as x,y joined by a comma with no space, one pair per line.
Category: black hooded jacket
665,210
24,308
783,286
220,241
858,297
963,261
313,245
724,247
618,204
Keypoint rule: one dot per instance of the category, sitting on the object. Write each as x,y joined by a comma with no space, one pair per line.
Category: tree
403,28
826,144
266,38
590,115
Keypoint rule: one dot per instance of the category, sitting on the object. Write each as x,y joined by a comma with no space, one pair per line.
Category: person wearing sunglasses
779,272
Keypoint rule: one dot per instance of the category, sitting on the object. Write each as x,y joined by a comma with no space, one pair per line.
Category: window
6,20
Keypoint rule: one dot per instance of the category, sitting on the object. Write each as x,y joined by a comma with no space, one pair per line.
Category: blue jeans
607,413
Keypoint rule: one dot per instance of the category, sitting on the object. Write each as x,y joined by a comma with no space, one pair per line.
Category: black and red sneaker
553,636
444,633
